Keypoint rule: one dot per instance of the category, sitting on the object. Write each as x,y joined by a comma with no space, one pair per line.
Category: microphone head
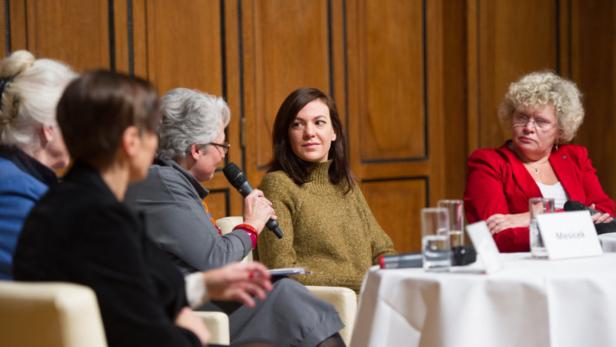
234,175
573,205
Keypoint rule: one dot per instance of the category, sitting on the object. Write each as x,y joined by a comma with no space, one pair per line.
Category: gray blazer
171,197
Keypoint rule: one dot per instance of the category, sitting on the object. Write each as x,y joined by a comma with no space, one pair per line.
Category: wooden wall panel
417,92
286,46
390,123
395,106
182,49
455,128
512,38
396,205
593,68
5,40
392,115
174,48
218,203
73,31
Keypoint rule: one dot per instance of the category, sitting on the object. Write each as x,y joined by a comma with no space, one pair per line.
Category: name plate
485,246
569,235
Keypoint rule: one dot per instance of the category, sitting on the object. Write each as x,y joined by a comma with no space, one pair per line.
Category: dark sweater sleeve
111,261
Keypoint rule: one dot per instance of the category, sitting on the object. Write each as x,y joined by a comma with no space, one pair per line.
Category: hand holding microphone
257,209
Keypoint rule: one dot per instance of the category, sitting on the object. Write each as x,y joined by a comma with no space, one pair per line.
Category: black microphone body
601,228
236,177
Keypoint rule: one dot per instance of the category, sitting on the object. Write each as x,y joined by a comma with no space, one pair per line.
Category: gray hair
190,117
542,88
32,88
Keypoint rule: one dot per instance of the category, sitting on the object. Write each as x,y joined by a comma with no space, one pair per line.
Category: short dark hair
97,107
283,156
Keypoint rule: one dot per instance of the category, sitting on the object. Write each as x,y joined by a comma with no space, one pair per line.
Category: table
527,303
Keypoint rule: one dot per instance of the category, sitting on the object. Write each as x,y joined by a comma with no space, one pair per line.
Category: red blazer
498,182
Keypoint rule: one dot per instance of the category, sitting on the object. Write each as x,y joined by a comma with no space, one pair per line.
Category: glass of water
435,239
455,209
537,206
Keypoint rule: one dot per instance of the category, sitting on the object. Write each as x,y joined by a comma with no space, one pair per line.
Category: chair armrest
49,314
217,324
345,302
226,225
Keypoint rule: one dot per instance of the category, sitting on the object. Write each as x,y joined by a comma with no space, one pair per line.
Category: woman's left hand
601,217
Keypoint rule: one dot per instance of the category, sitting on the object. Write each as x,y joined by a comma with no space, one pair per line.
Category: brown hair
97,107
284,159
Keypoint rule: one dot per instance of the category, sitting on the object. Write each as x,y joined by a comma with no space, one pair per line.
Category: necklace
535,168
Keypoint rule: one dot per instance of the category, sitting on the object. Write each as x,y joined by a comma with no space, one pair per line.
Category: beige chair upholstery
218,325
227,224
34,314
49,315
345,302
343,299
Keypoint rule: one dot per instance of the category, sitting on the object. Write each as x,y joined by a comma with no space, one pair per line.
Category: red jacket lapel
565,170
522,178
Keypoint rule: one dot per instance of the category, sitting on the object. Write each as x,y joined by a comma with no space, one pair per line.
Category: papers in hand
288,271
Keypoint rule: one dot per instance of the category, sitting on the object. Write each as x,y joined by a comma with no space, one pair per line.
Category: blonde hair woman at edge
31,145
329,228
542,112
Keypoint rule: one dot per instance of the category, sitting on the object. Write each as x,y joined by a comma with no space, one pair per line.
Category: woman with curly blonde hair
31,144
543,111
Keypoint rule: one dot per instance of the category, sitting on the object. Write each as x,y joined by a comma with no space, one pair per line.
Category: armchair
49,315
343,299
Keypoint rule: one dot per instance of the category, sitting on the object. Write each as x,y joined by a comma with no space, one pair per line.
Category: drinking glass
455,208
537,206
435,239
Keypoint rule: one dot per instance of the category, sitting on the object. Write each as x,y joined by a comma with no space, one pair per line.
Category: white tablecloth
527,303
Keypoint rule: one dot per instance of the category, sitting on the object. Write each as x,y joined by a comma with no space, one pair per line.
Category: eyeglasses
225,146
521,119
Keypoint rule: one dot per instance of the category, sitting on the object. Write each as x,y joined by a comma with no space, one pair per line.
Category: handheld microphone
601,228
236,177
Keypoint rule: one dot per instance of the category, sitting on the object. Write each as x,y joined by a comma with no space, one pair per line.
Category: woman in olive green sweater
328,226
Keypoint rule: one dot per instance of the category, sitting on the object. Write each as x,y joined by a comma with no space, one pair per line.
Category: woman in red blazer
543,112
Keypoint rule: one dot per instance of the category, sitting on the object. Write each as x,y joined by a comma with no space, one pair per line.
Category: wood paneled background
416,81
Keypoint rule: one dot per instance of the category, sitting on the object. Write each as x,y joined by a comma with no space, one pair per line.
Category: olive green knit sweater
333,235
